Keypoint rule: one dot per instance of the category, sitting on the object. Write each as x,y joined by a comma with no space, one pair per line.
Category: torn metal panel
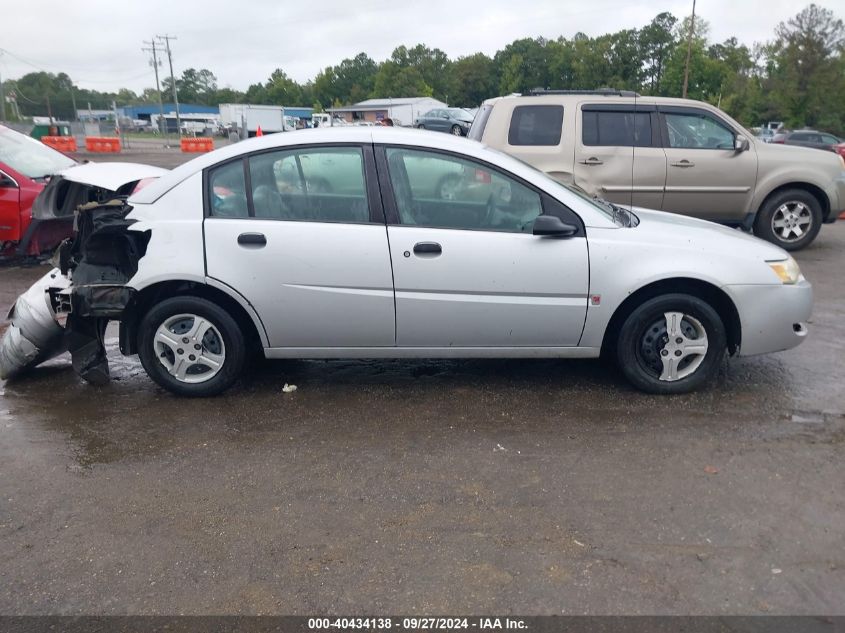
70,307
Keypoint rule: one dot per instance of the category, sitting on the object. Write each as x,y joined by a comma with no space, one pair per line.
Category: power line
88,81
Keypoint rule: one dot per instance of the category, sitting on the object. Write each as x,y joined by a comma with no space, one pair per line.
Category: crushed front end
69,308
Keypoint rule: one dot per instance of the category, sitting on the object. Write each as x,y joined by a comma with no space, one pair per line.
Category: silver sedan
381,242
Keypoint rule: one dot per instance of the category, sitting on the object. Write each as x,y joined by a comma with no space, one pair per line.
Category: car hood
110,176
700,235
799,155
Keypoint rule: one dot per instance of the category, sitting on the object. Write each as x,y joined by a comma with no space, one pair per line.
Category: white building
403,111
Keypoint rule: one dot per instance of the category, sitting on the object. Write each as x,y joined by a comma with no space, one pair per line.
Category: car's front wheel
671,344
191,346
457,131
791,219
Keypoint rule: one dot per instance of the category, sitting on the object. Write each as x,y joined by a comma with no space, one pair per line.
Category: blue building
144,111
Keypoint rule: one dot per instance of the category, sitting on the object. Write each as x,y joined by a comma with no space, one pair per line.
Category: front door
618,155
706,176
467,270
300,234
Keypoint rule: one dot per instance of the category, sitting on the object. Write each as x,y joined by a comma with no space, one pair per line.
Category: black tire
642,341
420,127
789,200
457,131
234,346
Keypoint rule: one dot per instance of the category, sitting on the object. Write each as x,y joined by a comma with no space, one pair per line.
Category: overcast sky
98,43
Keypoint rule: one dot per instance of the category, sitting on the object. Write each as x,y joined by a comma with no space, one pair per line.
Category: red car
26,166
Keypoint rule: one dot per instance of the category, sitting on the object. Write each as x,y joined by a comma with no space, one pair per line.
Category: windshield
460,115
30,157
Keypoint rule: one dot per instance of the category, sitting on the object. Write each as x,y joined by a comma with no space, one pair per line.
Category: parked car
814,139
766,135
25,167
222,256
676,155
41,188
455,121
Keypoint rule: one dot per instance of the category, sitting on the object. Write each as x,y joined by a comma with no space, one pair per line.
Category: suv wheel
791,219
671,344
191,346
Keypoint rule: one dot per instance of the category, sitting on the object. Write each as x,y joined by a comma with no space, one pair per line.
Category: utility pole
73,101
155,64
166,39
689,50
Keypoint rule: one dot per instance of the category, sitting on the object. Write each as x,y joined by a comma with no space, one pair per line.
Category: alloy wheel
190,348
791,221
673,347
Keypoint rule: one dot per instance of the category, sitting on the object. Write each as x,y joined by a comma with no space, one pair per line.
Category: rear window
536,125
479,123
618,129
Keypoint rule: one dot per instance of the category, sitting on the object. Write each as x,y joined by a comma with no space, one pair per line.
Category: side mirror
551,225
741,144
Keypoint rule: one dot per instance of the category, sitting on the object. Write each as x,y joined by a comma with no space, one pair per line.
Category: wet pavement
528,487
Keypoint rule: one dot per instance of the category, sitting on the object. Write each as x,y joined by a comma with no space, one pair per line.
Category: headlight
787,270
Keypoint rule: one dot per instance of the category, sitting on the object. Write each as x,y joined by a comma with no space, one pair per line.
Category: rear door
618,154
705,176
300,233
468,271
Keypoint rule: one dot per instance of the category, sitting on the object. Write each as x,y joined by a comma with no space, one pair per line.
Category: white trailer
247,118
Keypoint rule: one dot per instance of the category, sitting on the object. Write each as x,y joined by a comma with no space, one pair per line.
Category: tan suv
677,155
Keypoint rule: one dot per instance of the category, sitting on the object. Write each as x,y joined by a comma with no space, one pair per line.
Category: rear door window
227,193
619,129
536,125
324,184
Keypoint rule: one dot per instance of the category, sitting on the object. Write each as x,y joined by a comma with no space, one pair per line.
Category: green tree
656,42
807,77
473,80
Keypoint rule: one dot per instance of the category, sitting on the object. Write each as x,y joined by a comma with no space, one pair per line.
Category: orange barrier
61,143
199,144
103,144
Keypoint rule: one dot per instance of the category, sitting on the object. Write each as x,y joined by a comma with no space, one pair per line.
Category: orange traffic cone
258,132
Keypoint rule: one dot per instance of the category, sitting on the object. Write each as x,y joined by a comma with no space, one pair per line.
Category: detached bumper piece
36,333
69,308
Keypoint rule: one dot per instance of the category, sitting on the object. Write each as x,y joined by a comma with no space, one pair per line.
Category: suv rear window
617,129
536,125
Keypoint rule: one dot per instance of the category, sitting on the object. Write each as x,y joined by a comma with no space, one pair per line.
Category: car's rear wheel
420,127
457,131
791,219
191,346
671,344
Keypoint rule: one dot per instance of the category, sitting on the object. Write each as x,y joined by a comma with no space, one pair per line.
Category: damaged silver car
338,243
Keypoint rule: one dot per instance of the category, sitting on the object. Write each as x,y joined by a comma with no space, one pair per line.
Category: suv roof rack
607,92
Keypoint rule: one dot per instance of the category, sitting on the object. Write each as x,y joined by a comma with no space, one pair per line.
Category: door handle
252,239
683,163
592,161
430,249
